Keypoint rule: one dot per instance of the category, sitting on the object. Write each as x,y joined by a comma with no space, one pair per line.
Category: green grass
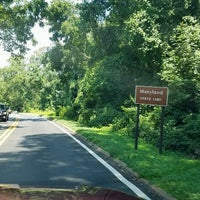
175,173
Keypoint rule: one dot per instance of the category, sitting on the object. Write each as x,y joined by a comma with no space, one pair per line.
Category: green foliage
17,19
57,13
103,84
182,55
181,72
98,117
184,137
150,125
61,111
125,123
13,80
29,86
66,112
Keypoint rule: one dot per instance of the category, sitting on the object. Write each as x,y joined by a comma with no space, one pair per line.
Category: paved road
35,152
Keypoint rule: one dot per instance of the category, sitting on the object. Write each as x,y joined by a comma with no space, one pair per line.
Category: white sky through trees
42,37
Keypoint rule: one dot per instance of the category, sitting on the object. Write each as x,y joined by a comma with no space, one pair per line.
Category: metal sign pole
161,129
137,126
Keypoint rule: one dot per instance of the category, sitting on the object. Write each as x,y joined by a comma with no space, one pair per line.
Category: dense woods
102,49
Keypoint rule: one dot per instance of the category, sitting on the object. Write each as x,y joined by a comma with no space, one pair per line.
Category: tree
103,90
70,54
181,66
181,70
43,82
141,37
17,19
14,81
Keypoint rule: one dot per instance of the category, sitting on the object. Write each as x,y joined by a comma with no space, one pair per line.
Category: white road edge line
130,185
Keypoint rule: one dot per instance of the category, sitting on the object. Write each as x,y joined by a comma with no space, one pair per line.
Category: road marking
7,133
130,185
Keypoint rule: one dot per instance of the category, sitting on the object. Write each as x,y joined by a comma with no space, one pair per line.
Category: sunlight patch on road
70,179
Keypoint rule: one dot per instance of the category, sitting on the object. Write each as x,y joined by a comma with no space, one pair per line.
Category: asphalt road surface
35,152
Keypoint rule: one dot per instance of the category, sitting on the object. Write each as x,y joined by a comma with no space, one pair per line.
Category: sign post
137,126
161,130
149,95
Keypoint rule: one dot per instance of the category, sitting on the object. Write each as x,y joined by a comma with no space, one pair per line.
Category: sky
40,34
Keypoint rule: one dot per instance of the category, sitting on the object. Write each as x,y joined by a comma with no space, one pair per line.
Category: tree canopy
17,19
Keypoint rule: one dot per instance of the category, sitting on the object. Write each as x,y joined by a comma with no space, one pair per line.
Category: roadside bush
150,125
68,112
185,137
98,117
125,122
103,116
148,131
71,113
60,111
84,116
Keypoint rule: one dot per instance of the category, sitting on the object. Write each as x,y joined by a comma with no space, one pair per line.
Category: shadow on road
53,160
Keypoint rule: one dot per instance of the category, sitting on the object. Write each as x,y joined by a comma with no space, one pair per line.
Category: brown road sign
151,95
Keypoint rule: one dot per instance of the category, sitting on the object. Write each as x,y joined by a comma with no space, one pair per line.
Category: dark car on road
4,112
